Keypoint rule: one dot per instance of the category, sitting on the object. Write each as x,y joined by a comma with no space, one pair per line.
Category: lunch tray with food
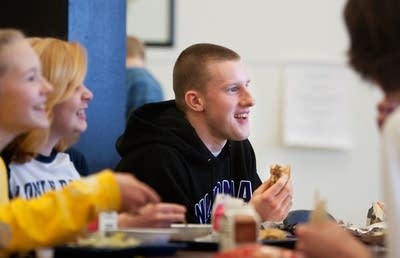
116,244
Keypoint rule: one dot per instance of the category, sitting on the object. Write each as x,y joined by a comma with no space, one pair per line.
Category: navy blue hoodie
162,149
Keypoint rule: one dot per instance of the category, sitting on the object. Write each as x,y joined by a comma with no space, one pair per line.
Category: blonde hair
64,65
7,37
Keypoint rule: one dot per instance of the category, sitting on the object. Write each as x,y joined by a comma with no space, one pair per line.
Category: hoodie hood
162,123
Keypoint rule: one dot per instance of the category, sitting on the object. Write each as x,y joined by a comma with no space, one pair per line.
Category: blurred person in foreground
23,93
196,146
142,87
374,30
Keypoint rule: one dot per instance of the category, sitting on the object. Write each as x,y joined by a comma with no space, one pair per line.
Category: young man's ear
194,100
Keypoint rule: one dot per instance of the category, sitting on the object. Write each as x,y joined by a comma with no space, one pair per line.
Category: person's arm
58,216
160,215
162,169
329,240
390,156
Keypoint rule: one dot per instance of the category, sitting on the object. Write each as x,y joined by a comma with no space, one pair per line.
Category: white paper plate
149,235
190,231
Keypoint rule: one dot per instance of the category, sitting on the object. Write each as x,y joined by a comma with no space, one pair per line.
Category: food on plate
114,240
189,232
371,235
276,171
375,214
375,236
272,234
375,231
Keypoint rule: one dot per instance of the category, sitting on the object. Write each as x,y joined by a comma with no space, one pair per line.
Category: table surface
192,254
377,251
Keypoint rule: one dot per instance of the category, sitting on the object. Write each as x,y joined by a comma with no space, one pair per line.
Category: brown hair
8,36
191,68
373,27
64,65
135,48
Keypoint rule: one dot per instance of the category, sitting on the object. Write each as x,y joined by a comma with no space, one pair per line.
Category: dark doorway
41,18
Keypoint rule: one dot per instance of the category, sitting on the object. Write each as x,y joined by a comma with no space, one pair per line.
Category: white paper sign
316,106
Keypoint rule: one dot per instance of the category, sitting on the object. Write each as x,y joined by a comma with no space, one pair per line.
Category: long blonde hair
64,65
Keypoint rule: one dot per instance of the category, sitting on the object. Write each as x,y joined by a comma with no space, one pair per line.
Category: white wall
268,34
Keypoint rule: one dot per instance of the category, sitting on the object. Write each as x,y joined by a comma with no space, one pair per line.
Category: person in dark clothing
79,161
191,148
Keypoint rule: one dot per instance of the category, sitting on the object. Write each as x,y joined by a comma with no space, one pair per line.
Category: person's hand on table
328,240
134,194
273,202
153,215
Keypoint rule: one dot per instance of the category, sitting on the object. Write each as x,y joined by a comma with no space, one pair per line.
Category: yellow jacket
58,216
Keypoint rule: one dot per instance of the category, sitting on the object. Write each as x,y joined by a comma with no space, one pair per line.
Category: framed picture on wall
152,21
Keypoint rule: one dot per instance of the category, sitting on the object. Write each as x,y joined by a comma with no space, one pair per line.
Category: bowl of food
148,235
189,232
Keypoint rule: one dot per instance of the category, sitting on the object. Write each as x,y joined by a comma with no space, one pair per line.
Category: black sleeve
79,161
164,171
255,178
245,158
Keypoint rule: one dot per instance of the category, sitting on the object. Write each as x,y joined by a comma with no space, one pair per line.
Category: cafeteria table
191,254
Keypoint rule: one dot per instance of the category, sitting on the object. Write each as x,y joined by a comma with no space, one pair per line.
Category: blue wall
100,25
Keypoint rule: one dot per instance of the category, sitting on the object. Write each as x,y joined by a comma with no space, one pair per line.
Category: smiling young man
196,146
